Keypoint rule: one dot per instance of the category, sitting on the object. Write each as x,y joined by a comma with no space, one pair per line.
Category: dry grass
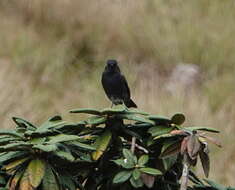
51,55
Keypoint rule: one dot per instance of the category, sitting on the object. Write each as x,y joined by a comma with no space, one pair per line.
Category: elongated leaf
143,160
205,160
193,146
25,182
8,157
135,111
36,170
62,138
51,123
15,163
151,171
23,123
7,140
183,147
45,148
164,136
67,181
159,130
10,133
134,118
171,150
114,110
49,181
178,119
2,181
86,110
122,176
101,144
15,180
136,182
210,139
215,185
65,155
16,146
136,174
82,145
169,162
159,120
202,129
96,120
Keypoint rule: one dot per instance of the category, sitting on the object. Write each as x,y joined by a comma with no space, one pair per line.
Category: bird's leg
112,105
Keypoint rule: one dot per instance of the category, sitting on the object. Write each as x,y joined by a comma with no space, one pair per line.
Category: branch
185,173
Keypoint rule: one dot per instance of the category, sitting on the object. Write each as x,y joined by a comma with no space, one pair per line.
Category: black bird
115,85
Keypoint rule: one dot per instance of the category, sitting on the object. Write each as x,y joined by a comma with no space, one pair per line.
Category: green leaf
23,123
65,155
10,133
16,146
143,160
67,181
159,130
159,120
62,138
178,119
36,170
45,148
96,120
8,157
169,162
136,182
49,181
124,163
101,144
86,110
151,171
215,185
2,180
25,182
14,163
129,156
202,129
114,110
136,174
82,145
136,112
164,136
51,123
122,176
134,118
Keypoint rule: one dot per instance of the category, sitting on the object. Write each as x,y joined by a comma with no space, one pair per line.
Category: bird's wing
125,90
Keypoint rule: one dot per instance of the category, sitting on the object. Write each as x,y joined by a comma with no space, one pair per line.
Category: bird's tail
129,103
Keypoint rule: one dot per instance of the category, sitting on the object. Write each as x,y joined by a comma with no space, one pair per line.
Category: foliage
114,148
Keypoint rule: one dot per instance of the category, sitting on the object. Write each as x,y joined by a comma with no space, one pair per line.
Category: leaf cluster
113,148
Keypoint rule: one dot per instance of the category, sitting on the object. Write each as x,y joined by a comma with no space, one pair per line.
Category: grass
52,55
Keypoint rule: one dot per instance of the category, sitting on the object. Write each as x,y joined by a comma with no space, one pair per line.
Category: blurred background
178,56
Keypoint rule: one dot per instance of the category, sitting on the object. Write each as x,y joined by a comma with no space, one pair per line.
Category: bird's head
112,66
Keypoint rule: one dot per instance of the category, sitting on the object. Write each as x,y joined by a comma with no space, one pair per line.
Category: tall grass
52,54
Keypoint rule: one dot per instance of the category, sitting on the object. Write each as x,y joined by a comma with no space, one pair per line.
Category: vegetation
115,148
47,46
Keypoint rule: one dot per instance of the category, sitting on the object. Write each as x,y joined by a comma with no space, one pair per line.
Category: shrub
115,148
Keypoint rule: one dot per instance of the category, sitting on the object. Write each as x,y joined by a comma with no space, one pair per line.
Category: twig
133,141
185,173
